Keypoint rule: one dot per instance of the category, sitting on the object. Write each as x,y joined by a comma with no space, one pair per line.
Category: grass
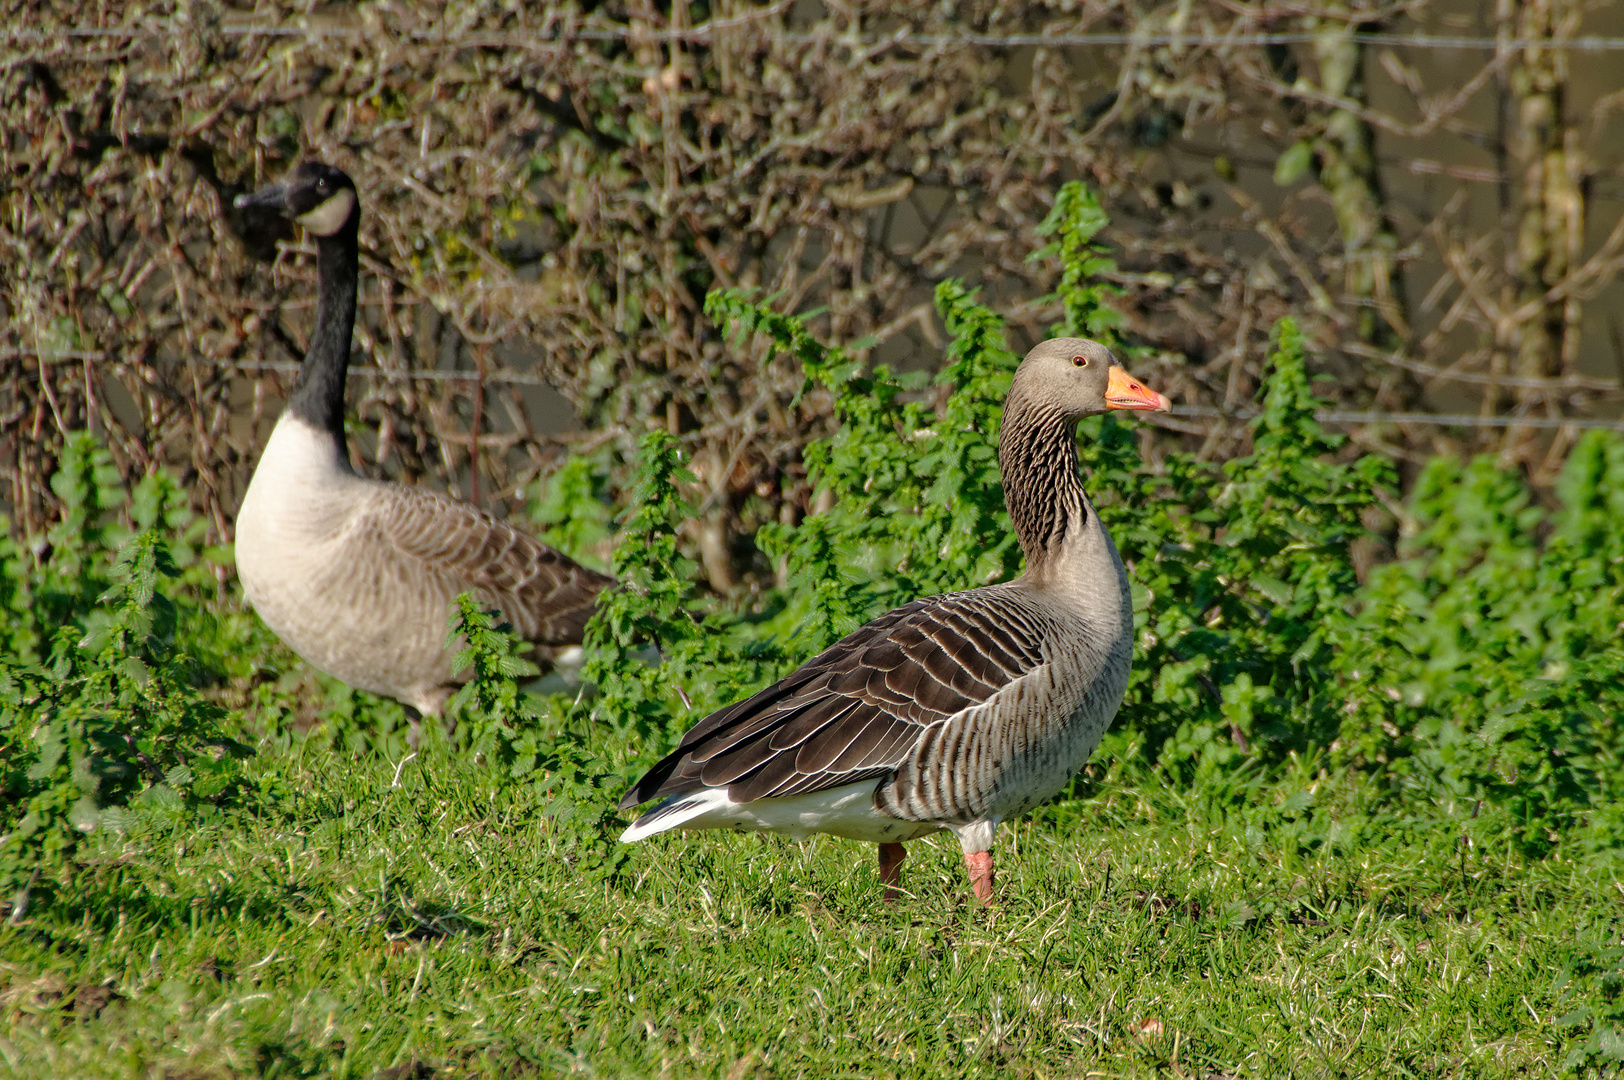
368,915
437,927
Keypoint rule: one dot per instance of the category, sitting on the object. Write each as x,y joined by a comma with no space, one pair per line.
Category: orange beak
1126,392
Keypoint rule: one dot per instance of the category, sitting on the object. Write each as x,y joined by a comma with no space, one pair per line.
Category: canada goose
953,712
355,575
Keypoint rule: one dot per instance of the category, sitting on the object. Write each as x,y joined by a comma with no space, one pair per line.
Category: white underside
847,811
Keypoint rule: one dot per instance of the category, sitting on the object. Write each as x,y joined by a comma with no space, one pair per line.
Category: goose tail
675,812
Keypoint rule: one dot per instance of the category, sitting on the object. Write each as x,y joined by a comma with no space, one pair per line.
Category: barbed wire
1341,416
1194,412
494,378
289,367
568,36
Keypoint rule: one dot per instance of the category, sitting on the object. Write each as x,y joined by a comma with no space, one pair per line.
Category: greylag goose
355,575
953,712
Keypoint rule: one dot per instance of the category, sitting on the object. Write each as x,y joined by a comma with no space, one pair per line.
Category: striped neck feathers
1043,488
318,395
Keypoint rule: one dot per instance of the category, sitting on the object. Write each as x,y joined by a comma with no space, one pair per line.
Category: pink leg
979,863
891,856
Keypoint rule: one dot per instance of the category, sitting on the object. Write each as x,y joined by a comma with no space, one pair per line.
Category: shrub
572,507
496,721
1486,668
917,506
707,653
109,732
525,740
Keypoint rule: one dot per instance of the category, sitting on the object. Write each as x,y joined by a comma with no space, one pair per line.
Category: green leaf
1273,588
1294,164
85,814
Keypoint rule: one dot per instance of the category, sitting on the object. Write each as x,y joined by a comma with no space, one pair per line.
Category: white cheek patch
328,217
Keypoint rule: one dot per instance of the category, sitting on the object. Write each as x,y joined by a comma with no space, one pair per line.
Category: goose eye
1080,361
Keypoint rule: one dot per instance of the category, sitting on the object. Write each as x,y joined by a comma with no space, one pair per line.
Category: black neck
318,396
1037,454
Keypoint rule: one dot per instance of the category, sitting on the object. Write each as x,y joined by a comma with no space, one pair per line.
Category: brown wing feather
546,595
859,708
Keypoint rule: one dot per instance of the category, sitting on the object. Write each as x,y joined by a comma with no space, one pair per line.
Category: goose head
317,196
1079,378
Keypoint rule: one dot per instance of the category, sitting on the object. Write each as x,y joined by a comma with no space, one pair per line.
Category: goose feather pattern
928,696
953,712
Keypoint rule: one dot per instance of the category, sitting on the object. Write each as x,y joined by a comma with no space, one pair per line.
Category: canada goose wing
859,708
546,595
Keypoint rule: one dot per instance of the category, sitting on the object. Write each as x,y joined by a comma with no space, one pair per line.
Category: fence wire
901,38
1194,412
1343,416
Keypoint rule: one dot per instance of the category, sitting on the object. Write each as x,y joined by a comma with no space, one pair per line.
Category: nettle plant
1248,579
110,731
1486,669
572,506
917,502
707,654
108,638
524,740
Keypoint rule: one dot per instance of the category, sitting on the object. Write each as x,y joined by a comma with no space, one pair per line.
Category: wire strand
1192,412
1199,412
1340,416
901,38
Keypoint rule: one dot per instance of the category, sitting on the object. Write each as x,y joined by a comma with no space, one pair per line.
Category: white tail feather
673,812
847,810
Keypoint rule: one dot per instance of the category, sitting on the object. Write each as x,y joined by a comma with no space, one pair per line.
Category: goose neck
318,395
1043,486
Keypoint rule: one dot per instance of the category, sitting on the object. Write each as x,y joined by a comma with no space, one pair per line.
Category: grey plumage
956,711
355,575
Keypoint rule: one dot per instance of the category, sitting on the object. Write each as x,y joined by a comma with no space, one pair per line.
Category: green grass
1342,829
439,928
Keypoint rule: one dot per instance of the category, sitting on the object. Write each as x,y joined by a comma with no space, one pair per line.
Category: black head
317,196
